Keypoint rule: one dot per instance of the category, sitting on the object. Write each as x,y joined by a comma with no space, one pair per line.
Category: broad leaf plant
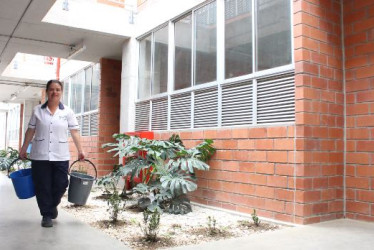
168,168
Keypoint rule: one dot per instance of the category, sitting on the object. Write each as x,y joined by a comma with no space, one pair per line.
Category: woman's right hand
23,154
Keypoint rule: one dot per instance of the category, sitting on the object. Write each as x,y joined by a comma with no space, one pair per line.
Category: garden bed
175,230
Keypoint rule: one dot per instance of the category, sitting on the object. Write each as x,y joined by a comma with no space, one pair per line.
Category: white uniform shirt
50,141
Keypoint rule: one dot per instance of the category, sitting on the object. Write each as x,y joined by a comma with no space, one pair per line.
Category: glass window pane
160,66
73,98
95,88
274,33
206,44
65,97
144,81
87,89
183,53
238,38
77,82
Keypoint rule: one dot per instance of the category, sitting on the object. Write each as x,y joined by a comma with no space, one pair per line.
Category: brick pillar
108,120
359,50
319,110
109,110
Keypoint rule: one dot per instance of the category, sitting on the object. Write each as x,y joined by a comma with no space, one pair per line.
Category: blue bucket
23,184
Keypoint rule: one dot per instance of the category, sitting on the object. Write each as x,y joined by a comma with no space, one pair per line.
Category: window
160,65
183,53
83,97
153,63
232,66
65,97
95,87
206,44
238,38
87,89
144,81
274,33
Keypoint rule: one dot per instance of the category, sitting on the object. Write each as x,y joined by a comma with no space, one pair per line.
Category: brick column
359,50
319,110
108,121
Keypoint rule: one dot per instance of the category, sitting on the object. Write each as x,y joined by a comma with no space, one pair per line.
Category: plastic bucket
22,182
80,185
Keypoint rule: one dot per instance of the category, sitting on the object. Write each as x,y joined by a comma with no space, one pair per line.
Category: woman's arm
28,137
77,141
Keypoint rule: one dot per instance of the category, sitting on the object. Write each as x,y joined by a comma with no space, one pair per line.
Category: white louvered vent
237,104
142,116
160,114
180,111
276,99
85,125
206,108
94,124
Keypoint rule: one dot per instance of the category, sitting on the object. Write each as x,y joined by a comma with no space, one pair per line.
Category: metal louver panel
142,116
276,99
94,123
237,102
160,114
206,108
180,112
85,125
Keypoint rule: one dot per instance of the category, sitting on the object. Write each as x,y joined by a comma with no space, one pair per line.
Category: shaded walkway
20,227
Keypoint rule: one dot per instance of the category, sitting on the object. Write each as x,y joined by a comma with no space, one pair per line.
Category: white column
129,76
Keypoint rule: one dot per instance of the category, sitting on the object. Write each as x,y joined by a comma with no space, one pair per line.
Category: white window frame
82,113
220,78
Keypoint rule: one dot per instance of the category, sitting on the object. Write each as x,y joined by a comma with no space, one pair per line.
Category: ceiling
21,30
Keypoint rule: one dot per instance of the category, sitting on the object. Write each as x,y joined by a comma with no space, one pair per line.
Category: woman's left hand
81,156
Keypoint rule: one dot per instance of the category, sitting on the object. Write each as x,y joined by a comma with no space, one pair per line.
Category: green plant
211,222
8,156
168,168
151,224
114,206
255,218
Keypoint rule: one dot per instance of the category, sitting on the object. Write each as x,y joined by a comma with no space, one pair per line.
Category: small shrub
212,222
151,224
255,219
115,206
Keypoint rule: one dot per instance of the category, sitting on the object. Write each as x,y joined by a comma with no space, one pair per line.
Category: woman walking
50,155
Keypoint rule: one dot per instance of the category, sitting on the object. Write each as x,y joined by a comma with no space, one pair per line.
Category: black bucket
80,185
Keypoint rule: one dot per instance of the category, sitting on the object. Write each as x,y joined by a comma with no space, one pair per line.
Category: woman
49,155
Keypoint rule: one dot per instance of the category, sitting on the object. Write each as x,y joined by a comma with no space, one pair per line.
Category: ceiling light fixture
76,50
65,5
13,97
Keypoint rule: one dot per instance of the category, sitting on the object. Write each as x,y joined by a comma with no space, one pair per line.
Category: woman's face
54,92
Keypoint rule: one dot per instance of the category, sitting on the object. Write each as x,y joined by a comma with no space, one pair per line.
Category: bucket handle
93,165
14,161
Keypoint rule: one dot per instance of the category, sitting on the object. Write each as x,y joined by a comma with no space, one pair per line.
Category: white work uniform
50,141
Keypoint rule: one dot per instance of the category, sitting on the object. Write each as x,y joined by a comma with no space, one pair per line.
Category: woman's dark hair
54,81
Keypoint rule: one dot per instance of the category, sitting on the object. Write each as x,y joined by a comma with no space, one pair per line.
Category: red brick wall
319,110
109,112
253,168
359,50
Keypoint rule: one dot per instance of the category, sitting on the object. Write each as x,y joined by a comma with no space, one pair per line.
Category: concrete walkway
20,229
332,235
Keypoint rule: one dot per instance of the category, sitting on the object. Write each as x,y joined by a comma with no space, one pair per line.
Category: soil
174,230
